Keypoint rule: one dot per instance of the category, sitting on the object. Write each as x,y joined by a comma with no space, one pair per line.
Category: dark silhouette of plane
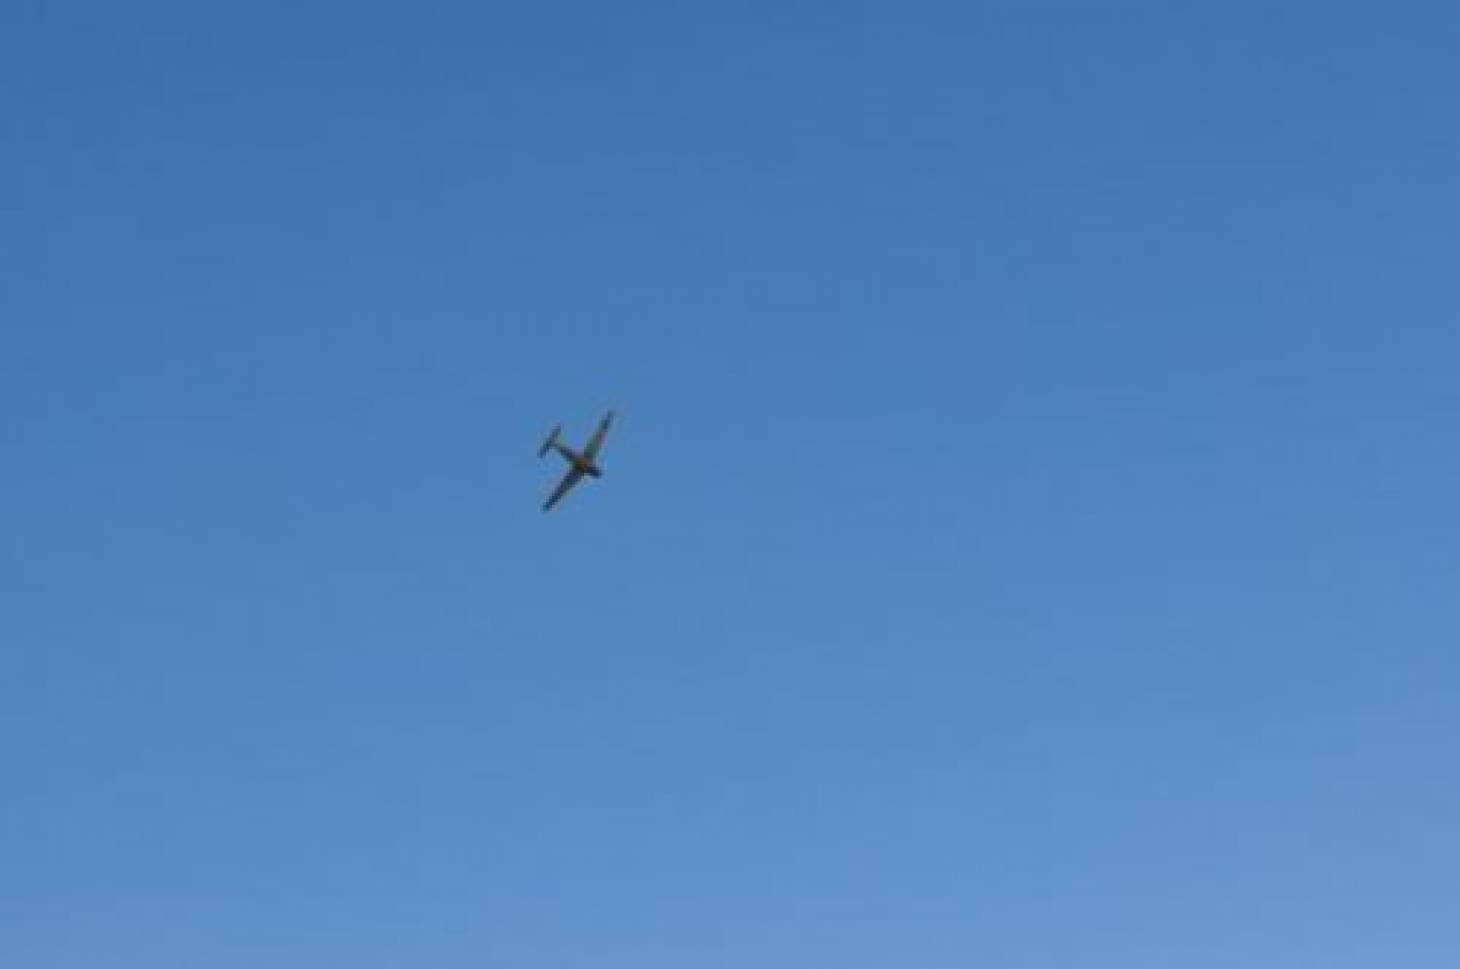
581,464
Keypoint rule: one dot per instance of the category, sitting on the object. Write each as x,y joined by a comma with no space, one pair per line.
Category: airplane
580,463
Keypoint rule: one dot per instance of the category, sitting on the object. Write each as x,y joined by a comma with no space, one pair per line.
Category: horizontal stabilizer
551,440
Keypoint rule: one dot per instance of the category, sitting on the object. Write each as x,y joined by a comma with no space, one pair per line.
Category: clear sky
1030,538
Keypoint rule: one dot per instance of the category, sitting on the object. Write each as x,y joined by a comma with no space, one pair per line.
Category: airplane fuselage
580,462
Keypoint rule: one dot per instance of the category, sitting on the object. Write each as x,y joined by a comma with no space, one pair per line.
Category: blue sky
1029,540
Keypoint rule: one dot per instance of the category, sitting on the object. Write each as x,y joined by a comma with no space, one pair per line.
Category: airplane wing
572,477
596,444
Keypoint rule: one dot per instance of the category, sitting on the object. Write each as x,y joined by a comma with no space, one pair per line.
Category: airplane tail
551,440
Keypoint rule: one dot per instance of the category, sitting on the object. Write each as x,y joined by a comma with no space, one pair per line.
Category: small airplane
580,463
